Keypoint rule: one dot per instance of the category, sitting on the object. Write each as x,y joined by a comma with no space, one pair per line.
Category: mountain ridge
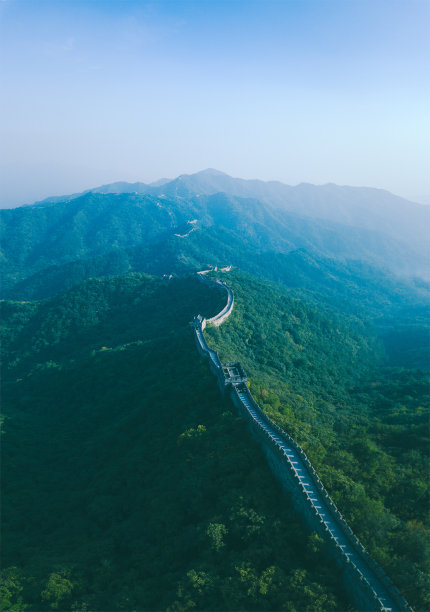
142,187
41,236
365,207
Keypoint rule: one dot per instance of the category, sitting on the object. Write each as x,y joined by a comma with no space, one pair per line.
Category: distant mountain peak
207,173
210,172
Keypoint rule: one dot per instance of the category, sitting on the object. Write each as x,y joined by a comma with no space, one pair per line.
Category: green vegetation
47,247
323,376
128,484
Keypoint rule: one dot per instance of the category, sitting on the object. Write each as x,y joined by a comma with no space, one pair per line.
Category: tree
57,588
216,532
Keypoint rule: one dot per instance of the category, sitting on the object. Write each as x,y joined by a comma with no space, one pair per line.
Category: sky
97,91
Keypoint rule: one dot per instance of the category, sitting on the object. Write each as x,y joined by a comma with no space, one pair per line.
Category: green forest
128,483
325,376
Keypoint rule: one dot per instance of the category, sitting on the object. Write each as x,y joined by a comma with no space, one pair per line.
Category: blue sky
296,90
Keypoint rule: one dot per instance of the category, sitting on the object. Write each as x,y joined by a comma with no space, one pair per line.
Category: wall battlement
370,588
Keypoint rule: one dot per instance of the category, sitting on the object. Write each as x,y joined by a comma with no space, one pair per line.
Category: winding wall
225,312
369,587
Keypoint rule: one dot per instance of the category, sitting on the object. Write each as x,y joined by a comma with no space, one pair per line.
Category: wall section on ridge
370,588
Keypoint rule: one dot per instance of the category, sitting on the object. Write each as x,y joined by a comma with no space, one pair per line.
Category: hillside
286,253
95,374
367,208
325,378
36,238
145,489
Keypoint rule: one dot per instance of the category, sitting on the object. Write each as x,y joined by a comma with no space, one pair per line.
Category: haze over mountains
208,218
356,206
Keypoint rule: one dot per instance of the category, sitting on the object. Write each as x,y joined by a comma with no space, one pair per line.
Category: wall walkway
366,582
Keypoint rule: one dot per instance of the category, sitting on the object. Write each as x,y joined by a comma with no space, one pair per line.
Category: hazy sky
95,91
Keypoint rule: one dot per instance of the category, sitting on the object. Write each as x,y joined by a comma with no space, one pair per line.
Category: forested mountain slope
127,482
37,237
362,207
214,246
325,378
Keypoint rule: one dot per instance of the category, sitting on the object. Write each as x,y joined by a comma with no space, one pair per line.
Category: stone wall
227,310
367,584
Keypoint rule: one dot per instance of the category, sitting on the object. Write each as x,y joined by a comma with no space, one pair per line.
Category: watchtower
233,373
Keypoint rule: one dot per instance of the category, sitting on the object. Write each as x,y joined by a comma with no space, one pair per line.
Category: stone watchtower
232,374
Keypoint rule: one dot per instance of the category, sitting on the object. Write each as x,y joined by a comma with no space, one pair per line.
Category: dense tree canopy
128,483
324,376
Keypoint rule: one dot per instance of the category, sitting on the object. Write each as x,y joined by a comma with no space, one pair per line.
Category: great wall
366,583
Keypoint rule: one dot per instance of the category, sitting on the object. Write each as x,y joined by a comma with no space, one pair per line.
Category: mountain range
343,224
129,483
363,207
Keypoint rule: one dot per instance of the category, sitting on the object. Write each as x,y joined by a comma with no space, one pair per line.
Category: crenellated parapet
370,588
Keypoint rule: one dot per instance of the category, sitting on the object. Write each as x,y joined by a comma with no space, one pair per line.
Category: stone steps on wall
318,502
